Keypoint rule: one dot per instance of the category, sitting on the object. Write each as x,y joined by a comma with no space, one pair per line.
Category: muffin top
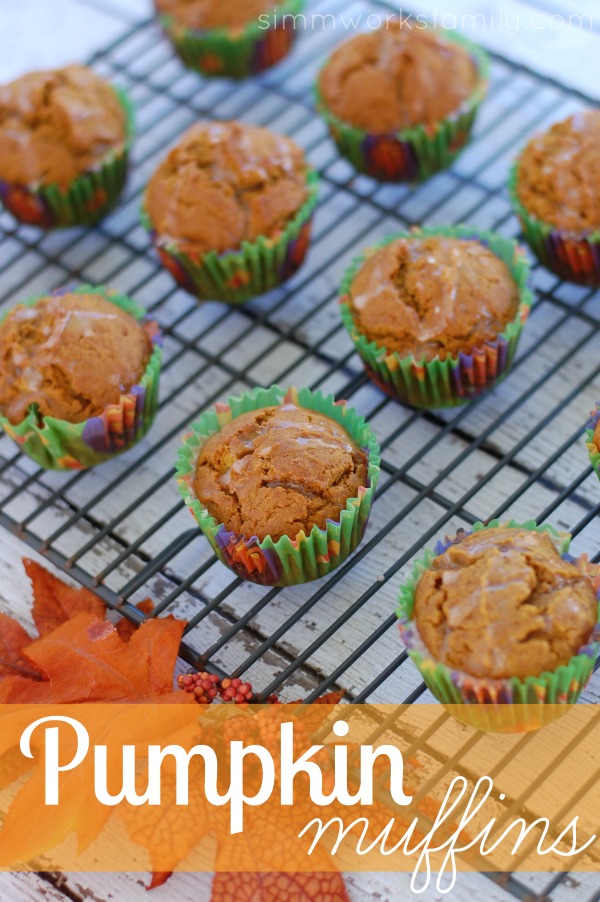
503,603
433,296
56,125
277,471
226,183
71,354
395,77
214,13
557,173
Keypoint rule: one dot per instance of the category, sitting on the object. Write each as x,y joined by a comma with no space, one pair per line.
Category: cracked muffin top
277,471
555,173
203,14
71,354
395,77
433,296
57,125
503,603
226,183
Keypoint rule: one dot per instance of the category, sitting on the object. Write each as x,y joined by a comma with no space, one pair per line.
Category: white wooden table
40,34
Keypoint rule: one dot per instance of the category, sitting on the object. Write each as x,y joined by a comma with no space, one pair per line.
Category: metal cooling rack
519,451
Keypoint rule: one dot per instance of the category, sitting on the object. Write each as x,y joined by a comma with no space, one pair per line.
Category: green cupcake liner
573,256
87,199
415,153
238,276
592,447
59,445
455,380
239,52
486,703
285,562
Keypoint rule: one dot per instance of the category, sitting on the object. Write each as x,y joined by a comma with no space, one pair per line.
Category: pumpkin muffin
502,624
279,471
433,297
204,14
227,195
62,132
71,355
233,38
554,180
395,77
436,314
400,100
226,183
503,603
281,482
557,197
80,374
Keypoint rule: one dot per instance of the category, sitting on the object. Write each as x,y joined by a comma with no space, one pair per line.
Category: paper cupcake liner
415,153
590,429
238,276
572,256
87,199
482,702
59,445
285,562
239,52
443,383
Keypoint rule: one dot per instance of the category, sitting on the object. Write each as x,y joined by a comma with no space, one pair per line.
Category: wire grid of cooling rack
517,452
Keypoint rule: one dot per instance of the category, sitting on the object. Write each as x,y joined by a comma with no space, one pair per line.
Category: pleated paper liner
573,256
592,447
238,276
411,154
443,383
236,52
508,705
287,561
87,199
56,444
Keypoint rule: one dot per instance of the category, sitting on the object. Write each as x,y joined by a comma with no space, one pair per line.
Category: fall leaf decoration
173,829
126,628
55,602
13,639
159,878
85,660
80,657
278,887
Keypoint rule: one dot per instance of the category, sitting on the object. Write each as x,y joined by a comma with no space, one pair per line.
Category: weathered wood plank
29,888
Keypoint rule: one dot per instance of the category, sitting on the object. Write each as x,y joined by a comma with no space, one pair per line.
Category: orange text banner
298,788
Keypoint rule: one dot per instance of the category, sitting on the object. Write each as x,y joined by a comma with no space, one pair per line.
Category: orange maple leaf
126,628
54,602
170,831
79,657
279,887
13,639
85,660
